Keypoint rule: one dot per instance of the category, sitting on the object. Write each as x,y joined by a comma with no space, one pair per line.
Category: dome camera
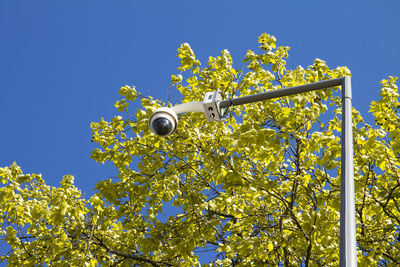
163,121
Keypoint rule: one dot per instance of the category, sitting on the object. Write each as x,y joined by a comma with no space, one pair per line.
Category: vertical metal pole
348,249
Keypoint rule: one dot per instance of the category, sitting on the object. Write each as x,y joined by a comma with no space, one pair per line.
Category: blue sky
62,62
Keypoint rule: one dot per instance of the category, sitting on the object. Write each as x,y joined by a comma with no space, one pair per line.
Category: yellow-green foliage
261,188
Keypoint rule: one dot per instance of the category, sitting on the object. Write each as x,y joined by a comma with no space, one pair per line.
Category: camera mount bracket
211,106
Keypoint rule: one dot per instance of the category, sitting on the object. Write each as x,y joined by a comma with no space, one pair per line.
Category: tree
260,188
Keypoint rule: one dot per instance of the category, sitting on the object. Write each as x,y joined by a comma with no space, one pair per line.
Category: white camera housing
163,121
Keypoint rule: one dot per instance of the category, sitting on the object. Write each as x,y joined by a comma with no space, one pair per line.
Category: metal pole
282,92
348,249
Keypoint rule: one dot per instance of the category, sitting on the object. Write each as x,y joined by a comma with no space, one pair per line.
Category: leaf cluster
261,188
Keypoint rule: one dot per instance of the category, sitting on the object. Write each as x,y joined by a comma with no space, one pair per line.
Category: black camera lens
162,126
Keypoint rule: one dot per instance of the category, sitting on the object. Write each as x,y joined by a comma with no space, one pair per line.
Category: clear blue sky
62,62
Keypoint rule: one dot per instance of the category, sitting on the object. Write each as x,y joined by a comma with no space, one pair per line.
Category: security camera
163,121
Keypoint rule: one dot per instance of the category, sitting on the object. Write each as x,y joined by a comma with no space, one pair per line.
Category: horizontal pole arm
282,92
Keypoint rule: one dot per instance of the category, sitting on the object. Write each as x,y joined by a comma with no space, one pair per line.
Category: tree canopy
261,187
